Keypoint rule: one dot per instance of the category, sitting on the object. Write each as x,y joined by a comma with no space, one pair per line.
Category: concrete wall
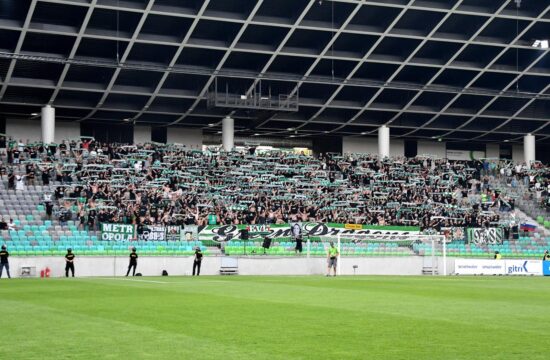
397,147
410,265
142,134
369,145
464,154
66,131
31,130
191,138
493,151
517,153
361,145
24,130
434,148
153,266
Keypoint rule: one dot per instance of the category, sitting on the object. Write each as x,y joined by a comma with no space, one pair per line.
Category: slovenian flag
528,227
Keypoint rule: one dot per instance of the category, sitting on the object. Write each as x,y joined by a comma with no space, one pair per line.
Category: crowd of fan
162,184
536,179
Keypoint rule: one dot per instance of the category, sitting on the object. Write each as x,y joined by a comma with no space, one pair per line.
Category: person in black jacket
69,262
4,263
197,261
133,262
11,180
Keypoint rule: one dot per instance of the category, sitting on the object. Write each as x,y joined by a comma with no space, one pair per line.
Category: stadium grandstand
275,137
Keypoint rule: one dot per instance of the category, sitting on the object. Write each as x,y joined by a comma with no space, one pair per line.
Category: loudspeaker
164,273
244,234
267,243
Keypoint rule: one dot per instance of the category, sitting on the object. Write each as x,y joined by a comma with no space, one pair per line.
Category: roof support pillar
383,142
529,149
228,133
48,124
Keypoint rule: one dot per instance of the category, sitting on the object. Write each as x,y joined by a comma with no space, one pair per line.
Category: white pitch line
137,280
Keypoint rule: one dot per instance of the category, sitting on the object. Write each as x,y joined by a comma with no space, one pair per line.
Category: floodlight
542,44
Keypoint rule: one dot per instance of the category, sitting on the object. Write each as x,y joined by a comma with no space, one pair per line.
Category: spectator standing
4,263
20,183
297,235
197,261
332,258
133,262
69,262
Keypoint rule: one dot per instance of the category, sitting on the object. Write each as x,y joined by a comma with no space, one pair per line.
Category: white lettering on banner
259,228
117,232
481,236
115,236
227,232
524,267
153,233
173,233
479,267
498,267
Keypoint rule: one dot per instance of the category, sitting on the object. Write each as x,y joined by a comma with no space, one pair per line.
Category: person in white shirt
11,225
20,182
297,235
47,197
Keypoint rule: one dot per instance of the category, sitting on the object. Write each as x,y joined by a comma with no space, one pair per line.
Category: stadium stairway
530,209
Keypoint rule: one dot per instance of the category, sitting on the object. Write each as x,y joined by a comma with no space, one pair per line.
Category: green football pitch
276,318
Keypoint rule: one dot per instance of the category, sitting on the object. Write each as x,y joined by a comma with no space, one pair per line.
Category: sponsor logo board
479,267
523,267
498,267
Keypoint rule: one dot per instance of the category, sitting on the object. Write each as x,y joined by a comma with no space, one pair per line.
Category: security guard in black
69,262
197,262
133,262
4,263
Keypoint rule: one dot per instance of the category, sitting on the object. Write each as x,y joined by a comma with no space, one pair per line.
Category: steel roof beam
123,58
407,60
18,47
476,77
222,61
73,50
174,60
